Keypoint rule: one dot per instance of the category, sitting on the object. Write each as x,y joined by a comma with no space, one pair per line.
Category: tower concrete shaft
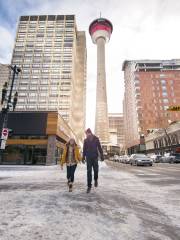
100,30
101,121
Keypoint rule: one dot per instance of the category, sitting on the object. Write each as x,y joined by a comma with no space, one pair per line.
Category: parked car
125,159
156,158
116,158
176,158
140,160
167,158
120,159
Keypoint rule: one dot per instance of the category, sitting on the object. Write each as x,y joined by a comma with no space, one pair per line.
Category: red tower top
100,27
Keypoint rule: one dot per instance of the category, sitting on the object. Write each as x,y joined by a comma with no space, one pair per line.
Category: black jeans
92,163
70,173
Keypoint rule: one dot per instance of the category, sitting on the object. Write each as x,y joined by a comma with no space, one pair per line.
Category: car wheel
171,161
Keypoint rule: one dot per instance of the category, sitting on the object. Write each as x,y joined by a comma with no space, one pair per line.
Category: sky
142,29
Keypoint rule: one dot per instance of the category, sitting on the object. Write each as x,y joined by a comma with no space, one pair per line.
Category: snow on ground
35,204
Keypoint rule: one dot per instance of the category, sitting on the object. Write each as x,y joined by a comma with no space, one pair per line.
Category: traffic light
4,110
15,100
4,92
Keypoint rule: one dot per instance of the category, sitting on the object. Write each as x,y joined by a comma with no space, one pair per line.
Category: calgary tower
100,31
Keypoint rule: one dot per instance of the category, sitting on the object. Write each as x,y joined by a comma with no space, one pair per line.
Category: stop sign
5,132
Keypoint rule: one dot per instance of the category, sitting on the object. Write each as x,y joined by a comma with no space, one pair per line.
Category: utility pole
7,100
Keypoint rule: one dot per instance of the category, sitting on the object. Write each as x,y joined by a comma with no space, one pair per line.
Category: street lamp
7,100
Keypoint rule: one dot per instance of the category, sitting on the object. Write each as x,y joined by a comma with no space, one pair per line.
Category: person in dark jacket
91,151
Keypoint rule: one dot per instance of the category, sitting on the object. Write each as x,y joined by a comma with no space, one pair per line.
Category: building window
163,82
162,75
165,100
164,94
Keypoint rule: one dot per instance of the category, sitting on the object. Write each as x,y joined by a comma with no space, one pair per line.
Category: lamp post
7,100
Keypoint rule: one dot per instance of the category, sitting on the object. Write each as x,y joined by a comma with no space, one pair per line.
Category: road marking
166,169
148,174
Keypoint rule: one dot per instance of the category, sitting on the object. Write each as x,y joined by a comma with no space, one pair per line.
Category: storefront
164,140
37,138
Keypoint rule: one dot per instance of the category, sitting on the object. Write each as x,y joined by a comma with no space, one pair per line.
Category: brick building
151,86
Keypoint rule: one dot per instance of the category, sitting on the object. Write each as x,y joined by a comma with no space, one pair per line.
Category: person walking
71,156
91,151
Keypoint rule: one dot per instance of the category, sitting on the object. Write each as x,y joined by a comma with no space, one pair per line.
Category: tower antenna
100,14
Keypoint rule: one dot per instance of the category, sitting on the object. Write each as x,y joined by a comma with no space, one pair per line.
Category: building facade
4,75
164,140
151,86
116,129
51,53
38,137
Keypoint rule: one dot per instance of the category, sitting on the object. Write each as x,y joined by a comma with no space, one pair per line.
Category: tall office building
151,86
52,55
100,31
116,125
4,75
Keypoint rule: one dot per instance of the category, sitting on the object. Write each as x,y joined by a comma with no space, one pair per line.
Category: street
130,203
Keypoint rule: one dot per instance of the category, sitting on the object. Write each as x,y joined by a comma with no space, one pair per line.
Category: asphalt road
131,203
160,174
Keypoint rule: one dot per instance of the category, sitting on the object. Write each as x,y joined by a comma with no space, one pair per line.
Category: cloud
142,30
6,45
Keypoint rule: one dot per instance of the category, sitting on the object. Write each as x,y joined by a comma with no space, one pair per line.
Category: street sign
3,144
5,132
173,108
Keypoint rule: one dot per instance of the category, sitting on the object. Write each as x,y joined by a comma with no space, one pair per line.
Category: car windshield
140,156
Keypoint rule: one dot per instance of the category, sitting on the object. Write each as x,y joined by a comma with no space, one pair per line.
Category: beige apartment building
116,128
151,86
51,53
4,76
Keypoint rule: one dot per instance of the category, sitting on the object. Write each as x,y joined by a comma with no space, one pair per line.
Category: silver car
167,158
140,160
125,159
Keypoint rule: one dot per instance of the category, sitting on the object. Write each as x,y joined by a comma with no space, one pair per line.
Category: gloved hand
102,159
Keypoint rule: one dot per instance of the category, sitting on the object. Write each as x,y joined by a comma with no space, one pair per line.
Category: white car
140,160
167,158
156,158
125,159
116,158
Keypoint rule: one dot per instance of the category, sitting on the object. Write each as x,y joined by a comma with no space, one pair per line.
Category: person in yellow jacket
71,157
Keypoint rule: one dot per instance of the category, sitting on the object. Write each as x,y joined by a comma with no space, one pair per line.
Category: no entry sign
5,132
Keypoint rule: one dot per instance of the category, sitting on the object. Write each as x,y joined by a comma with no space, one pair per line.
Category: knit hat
88,131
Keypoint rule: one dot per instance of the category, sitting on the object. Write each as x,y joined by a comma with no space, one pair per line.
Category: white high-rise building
100,31
4,76
52,55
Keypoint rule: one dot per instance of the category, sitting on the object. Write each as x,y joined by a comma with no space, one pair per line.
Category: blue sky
142,30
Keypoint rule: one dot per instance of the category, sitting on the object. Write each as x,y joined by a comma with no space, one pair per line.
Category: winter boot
96,183
70,187
68,182
88,190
